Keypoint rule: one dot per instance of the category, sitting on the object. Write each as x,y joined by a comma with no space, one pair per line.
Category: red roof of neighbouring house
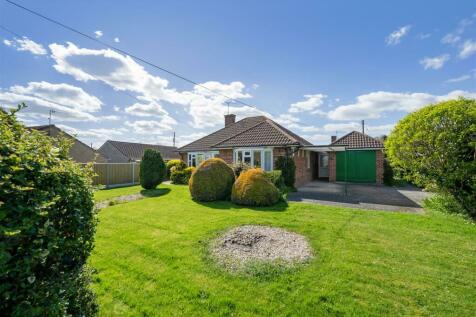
358,140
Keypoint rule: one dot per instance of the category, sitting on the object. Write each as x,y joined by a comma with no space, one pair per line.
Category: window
195,158
308,159
262,158
323,161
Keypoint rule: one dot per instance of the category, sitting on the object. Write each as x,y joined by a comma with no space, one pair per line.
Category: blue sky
317,67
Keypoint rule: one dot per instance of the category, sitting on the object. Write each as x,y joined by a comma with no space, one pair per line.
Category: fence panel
116,174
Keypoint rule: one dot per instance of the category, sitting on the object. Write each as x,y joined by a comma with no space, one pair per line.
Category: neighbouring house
259,141
124,152
79,151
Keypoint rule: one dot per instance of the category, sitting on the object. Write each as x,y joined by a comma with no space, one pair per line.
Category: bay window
195,158
260,157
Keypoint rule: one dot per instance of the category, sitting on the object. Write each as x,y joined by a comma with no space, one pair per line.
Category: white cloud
436,62
450,38
467,49
70,103
396,36
317,139
424,36
27,45
311,103
116,40
376,130
123,73
373,105
458,79
288,120
152,126
74,96
146,109
98,34
117,108
455,36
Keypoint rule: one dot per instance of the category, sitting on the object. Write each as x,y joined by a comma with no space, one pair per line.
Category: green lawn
151,260
106,194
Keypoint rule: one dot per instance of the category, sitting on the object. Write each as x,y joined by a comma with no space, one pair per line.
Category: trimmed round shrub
152,169
288,169
181,176
253,188
212,180
177,164
47,225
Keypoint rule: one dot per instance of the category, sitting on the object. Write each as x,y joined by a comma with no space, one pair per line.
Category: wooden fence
116,174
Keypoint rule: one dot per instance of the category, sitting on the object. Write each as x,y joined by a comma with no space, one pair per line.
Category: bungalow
259,141
124,152
79,151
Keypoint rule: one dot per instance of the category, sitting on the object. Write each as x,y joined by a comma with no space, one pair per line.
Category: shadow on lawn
155,192
227,205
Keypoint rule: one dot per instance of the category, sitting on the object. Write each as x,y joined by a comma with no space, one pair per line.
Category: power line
137,58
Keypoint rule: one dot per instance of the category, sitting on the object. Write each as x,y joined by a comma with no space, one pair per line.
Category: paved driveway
407,199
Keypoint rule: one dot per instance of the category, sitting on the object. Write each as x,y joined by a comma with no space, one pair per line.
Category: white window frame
206,156
252,150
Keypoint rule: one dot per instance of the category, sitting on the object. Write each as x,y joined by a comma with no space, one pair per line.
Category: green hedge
435,147
276,177
177,164
47,225
152,169
181,176
288,169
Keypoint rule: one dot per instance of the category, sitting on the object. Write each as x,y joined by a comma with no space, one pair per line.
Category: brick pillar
332,166
379,167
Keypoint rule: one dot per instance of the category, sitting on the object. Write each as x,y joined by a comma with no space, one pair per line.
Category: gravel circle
251,243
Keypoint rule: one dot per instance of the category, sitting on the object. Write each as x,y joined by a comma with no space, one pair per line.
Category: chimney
229,119
333,138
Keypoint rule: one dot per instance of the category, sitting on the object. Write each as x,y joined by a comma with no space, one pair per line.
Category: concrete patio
365,196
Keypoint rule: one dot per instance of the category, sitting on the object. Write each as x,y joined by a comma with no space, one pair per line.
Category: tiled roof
135,151
251,131
358,140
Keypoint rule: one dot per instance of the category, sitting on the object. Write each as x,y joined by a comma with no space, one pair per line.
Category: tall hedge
253,188
47,225
152,169
288,169
435,146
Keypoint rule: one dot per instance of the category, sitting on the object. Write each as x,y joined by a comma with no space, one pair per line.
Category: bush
181,176
47,225
238,168
212,180
252,188
276,177
178,164
387,173
288,169
435,146
152,169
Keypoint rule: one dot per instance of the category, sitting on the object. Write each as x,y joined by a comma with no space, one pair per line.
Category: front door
323,165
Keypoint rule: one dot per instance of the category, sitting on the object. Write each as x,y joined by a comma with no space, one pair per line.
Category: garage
358,166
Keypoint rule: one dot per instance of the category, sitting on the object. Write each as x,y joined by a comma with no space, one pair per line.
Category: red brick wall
303,172
332,166
379,167
226,155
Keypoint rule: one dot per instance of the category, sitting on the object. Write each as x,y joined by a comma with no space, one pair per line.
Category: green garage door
360,166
